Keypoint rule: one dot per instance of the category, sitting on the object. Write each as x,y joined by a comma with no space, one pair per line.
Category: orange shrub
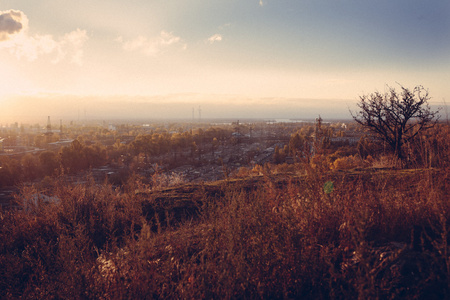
346,163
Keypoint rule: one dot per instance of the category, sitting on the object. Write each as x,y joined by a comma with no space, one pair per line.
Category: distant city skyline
262,58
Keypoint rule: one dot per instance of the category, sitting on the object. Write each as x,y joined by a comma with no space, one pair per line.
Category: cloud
153,46
215,38
14,37
261,3
71,46
11,23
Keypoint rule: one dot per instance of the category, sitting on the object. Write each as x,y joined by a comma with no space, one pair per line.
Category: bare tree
396,118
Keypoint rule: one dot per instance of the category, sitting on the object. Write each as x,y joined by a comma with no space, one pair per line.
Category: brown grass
378,234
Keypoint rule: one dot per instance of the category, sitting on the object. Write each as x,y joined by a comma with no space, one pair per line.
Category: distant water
288,121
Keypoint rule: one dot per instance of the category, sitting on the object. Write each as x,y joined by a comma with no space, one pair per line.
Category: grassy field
374,234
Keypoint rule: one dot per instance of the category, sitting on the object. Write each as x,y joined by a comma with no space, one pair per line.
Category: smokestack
49,125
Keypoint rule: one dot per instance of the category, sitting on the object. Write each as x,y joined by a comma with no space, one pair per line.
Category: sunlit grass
377,234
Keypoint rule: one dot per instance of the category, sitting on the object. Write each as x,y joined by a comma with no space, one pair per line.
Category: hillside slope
374,234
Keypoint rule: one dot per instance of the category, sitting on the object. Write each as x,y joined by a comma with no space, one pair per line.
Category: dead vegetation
377,234
328,225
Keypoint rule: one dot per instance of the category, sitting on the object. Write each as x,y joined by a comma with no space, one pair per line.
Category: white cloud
14,37
11,23
261,3
71,45
153,46
215,38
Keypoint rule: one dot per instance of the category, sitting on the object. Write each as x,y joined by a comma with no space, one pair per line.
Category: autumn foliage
268,231
377,234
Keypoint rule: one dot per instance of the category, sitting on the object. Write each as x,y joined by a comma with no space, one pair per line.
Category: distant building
351,140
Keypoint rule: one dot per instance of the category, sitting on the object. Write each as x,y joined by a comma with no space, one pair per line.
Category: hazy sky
246,53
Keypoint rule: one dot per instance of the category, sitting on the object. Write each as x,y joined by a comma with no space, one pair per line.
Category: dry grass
378,234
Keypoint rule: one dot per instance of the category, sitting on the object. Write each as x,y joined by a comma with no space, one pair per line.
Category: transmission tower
49,127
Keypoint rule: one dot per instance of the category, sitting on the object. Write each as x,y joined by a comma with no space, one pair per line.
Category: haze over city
234,59
233,149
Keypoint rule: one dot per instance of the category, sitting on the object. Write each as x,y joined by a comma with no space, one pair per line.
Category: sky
233,58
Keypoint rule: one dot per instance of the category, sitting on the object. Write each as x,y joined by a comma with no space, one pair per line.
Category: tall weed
376,234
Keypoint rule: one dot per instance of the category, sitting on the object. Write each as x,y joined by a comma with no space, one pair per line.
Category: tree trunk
398,147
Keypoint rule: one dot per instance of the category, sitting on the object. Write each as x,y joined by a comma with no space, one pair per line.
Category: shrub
380,234
346,163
